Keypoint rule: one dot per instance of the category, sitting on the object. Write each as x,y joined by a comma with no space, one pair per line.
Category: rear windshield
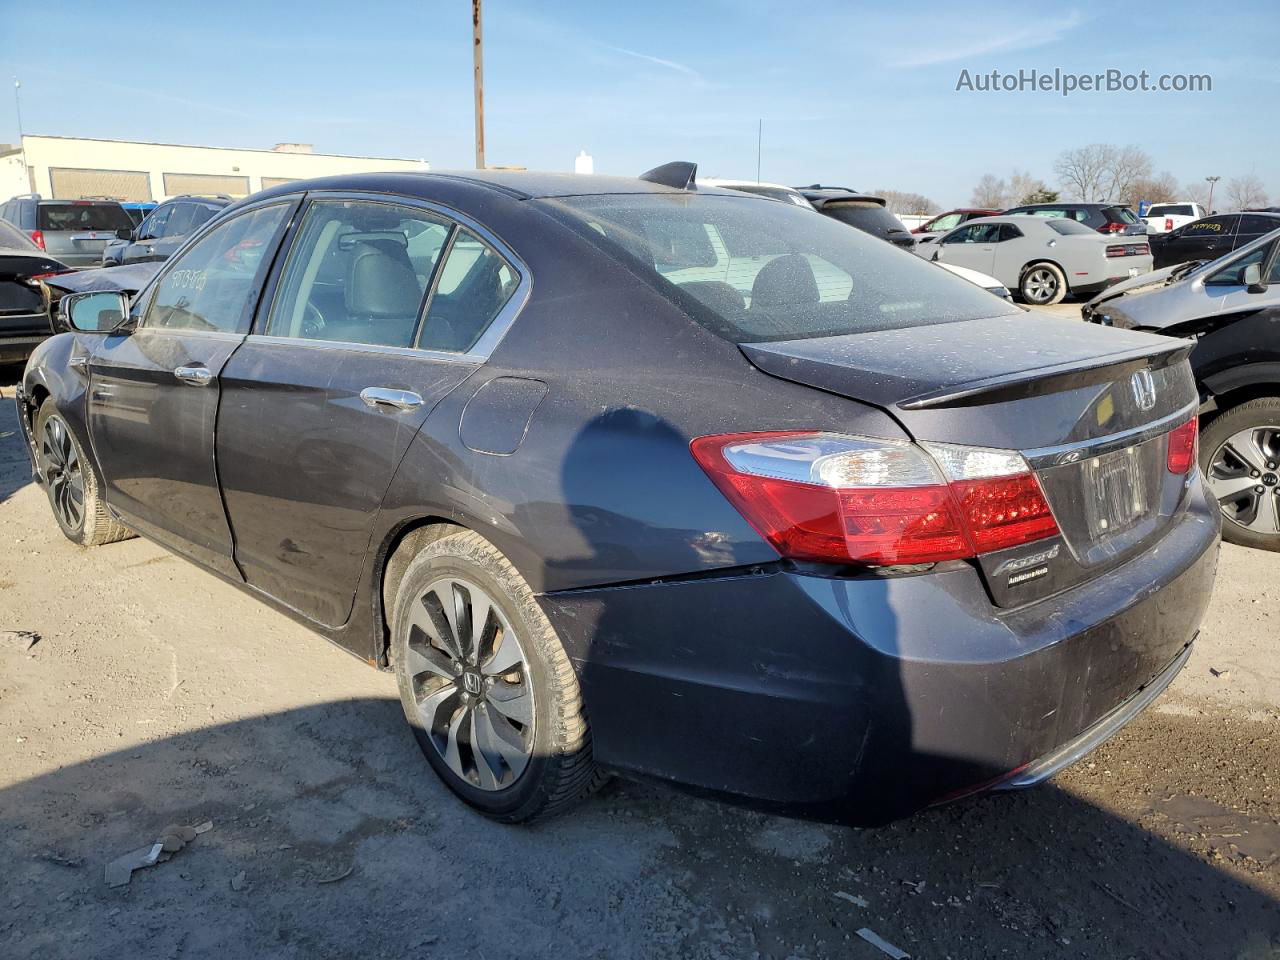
1125,214
773,193
755,272
1171,210
1066,227
11,238
872,217
84,216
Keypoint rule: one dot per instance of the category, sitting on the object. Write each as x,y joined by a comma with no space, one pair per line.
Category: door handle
198,375
386,397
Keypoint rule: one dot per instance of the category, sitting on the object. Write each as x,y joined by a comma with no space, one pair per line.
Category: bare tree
901,202
1197,191
1158,189
1245,192
990,192
1024,188
1128,165
1085,172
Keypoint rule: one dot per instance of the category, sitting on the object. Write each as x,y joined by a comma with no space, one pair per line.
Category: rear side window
208,287
812,276
83,216
1068,227
358,272
180,220
475,284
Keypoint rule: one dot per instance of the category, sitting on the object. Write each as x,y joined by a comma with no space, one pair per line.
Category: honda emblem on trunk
1144,389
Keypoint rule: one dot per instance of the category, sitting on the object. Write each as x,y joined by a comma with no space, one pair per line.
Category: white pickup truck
1163,217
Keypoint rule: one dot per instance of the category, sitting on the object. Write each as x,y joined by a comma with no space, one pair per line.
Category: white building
74,168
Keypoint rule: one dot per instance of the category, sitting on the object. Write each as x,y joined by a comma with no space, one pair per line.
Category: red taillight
1128,250
1184,442
1168,224
37,237
1113,228
839,499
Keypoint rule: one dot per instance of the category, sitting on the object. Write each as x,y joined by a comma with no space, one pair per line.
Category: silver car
1043,259
1198,289
73,231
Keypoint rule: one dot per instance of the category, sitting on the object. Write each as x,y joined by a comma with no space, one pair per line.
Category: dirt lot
156,694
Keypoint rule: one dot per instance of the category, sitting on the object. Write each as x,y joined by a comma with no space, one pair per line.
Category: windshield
754,272
1171,210
12,238
84,216
1066,227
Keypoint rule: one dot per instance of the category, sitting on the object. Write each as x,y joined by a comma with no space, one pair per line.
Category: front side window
475,284
1211,227
802,276
963,235
1254,225
208,287
180,220
358,272
1232,275
153,227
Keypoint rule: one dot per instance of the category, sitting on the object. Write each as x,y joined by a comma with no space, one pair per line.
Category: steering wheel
312,322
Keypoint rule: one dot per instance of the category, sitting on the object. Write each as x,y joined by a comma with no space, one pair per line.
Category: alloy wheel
471,683
1040,285
63,473
1244,476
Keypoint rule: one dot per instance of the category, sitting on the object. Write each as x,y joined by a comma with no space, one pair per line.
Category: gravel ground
156,694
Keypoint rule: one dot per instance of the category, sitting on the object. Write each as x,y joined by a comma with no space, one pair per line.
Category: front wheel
1042,285
71,483
1240,457
486,685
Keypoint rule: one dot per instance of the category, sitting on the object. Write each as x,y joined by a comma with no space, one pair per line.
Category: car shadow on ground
15,467
332,838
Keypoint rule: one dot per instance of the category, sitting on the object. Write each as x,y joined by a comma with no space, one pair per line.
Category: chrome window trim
184,333
346,345
1043,457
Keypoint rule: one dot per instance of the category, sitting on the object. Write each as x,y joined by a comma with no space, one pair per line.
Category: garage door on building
70,183
176,183
268,182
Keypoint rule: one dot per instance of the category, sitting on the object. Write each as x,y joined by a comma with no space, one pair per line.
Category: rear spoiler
1051,379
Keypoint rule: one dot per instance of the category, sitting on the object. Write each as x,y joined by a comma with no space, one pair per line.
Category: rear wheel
1042,284
71,484
486,685
1240,457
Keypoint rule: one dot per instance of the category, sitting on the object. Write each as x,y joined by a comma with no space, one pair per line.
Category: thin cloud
669,64
1028,37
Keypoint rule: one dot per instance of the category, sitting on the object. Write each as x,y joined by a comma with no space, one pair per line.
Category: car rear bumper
18,348
861,700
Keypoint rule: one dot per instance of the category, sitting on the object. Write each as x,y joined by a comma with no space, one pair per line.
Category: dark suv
869,214
1103,217
1211,237
164,229
73,231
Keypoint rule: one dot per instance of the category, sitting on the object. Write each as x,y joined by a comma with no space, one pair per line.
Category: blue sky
861,95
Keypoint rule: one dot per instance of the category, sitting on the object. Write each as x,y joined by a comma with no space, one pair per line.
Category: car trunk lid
1090,413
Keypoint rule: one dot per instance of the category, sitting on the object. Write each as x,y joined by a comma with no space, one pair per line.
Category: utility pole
1212,181
17,102
479,82
759,140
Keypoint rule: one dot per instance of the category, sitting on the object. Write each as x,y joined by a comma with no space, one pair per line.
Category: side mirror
1253,278
100,311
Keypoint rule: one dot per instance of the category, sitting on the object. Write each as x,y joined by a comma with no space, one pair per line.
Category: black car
1103,217
1211,237
869,214
164,229
24,305
628,476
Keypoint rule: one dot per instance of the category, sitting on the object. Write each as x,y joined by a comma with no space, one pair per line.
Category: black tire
86,522
1261,419
1042,284
559,768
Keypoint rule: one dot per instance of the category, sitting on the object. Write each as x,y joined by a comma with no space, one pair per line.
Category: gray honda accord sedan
625,476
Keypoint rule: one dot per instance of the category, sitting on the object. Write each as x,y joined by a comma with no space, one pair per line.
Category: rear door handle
197,375
386,397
